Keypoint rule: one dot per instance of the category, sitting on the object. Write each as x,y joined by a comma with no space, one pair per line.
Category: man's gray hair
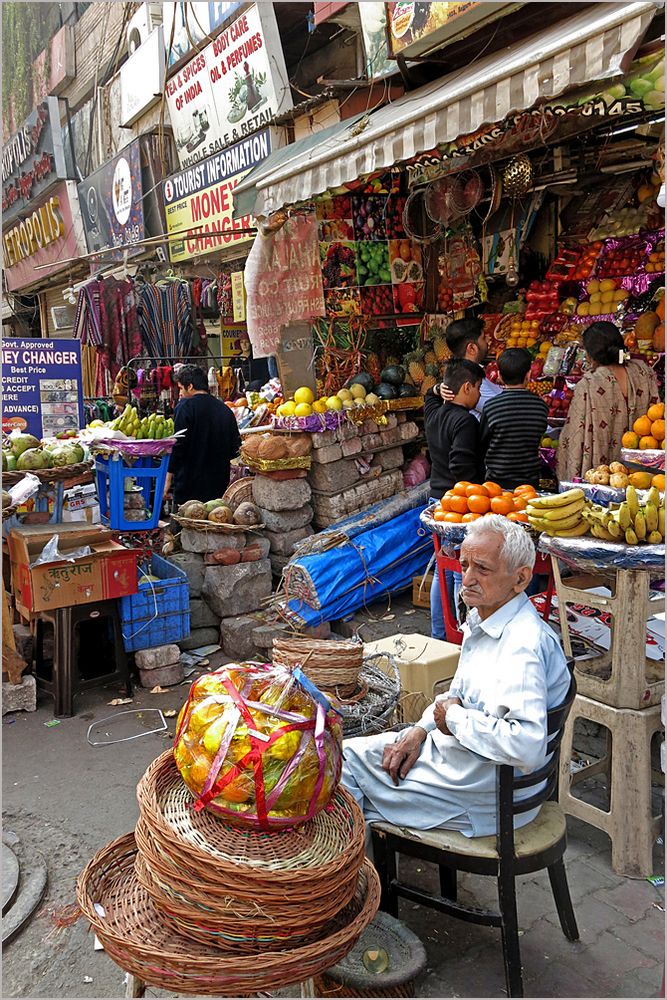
518,549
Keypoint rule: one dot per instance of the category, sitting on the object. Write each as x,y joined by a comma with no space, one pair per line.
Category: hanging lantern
518,176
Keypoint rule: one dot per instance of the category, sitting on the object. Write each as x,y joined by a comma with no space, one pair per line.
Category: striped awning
595,45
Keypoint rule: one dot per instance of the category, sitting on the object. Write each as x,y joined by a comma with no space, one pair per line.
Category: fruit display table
620,691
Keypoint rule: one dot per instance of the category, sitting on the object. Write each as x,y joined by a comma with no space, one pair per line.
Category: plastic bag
50,553
259,745
24,489
417,472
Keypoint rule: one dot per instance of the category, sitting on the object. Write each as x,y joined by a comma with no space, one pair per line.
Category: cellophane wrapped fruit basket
259,745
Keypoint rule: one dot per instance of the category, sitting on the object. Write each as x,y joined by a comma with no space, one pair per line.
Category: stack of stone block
228,575
357,466
159,666
287,513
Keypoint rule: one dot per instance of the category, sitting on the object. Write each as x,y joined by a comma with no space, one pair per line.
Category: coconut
22,442
212,504
6,499
32,458
272,448
62,455
5,464
193,509
247,513
251,445
299,445
221,515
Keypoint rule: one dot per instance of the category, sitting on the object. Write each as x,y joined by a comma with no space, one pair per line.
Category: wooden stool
629,822
66,680
623,676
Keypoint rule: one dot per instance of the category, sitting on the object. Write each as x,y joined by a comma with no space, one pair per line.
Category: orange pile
648,432
467,502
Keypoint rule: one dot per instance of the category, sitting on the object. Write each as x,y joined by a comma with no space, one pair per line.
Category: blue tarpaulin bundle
379,561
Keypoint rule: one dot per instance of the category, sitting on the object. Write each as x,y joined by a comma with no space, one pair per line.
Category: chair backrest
507,784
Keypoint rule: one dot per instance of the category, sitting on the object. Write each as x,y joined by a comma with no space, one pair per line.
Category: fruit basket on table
61,474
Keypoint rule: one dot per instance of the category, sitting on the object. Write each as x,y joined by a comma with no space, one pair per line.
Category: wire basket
136,937
330,664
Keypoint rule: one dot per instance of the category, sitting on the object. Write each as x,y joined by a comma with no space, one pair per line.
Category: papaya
659,338
645,325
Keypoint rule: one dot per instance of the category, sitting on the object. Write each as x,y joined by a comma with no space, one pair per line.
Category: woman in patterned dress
606,403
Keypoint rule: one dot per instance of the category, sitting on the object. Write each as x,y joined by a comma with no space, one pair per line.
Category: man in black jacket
199,464
452,433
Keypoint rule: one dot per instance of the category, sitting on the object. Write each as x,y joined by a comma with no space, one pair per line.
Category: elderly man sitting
441,772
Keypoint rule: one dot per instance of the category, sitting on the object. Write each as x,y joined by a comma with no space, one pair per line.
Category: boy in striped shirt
513,424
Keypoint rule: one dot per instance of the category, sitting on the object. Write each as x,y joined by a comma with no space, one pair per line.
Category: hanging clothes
106,319
165,319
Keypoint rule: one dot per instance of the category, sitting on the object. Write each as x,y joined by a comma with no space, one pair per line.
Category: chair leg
385,864
510,934
447,882
561,892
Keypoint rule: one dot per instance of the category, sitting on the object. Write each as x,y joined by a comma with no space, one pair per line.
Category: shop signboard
191,24
199,201
416,28
374,33
231,335
42,386
111,201
142,79
33,160
50,234
232,88
238,297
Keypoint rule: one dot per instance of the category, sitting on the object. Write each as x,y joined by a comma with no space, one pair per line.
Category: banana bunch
559,514
632,522
152,428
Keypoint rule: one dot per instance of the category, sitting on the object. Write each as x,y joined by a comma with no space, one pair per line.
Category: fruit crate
113,472
159,612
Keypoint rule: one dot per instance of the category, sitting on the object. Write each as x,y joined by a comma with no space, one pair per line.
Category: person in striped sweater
513,424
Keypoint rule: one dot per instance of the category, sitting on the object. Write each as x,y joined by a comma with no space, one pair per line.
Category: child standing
452,433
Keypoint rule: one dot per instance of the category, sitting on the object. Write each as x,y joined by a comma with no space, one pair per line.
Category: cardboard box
109,572
421,593
422,662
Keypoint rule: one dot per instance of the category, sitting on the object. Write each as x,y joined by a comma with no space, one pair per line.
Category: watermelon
386,391
405,391
393,375
362,378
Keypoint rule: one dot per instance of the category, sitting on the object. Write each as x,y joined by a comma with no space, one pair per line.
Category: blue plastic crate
148,472
158,613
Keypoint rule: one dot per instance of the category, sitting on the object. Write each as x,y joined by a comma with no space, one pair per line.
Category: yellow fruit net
259,745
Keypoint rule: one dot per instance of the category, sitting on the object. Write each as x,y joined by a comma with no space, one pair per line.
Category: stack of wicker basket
330,664
190,904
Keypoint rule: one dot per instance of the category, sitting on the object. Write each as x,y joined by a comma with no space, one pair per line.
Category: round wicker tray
136,937
62,473
216,529
8,512
238,492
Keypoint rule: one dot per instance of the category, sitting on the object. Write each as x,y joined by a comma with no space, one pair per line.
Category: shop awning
594,45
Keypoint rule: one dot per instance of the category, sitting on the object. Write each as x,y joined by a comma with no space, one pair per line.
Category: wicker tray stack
189,904
331,665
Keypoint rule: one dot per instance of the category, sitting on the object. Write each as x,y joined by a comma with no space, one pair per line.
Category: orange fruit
493,489
467,518
658,430
630,440
439,515
477,491
648,443
444,503
526,490
459,489
518,515
642,427
478,503
459,505
520,502
659,481
656,412
502,505
452,518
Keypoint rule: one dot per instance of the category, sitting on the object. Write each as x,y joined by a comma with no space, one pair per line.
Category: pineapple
430,358
373,367
415,365
431,376
442,352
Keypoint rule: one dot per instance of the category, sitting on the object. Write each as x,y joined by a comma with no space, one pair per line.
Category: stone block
263,636
237,637
331,453
346,431
259,541
351,447
235,590
391,436
287,520
323,439
282,543
192,565
270,494
333,477
23,640
402,417
159,656
165,676
19,697
200,637
370,442
369,427
211,541
391,459
408,431
278,564
201,616
392,421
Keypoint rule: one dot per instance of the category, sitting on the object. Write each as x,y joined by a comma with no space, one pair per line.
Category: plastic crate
159,612
148,472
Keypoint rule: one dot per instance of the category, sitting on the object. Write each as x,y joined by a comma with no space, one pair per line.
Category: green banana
661,520
624,518
631,537
614,529
632,501
640,526
654,538
653,497
558,499
651,515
